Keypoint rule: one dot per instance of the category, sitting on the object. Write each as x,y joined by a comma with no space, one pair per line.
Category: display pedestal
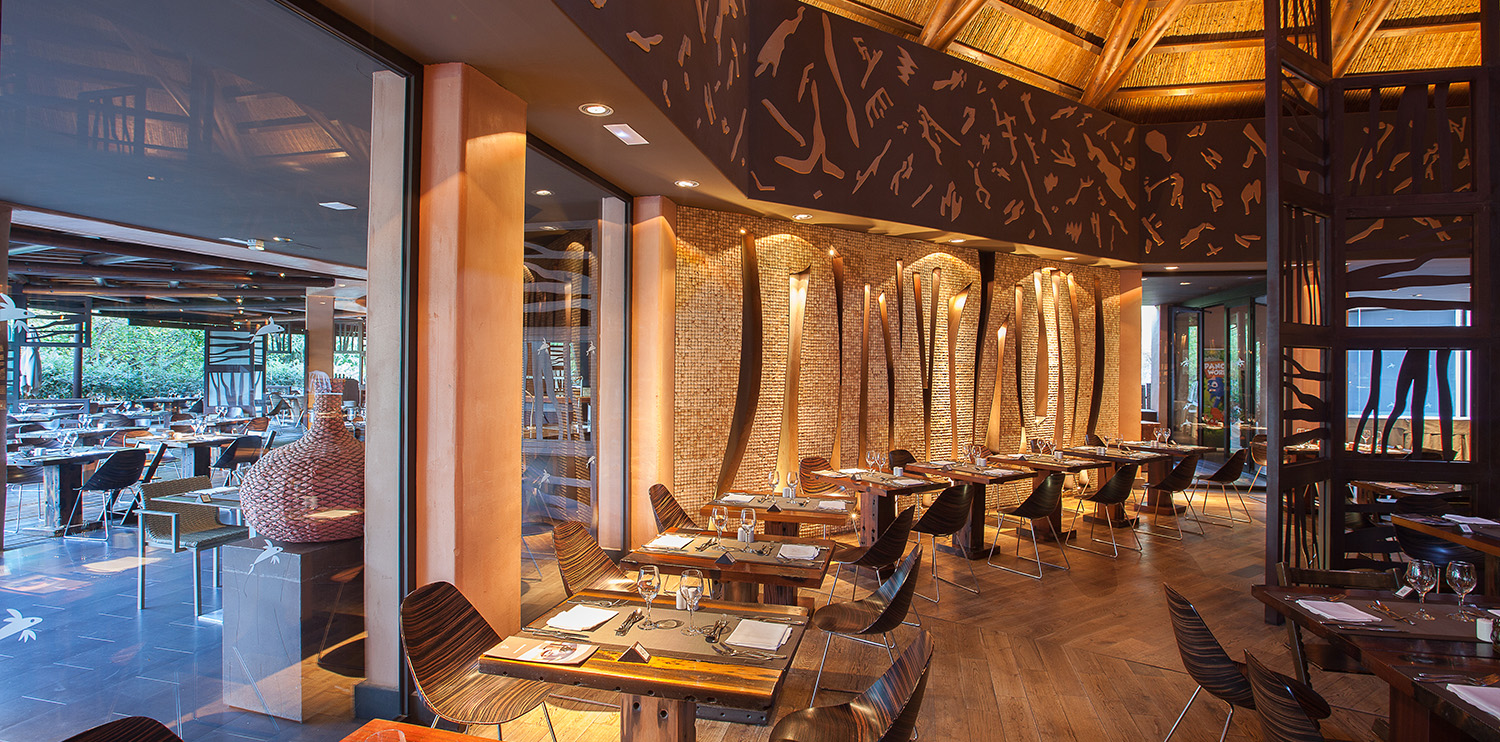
280,614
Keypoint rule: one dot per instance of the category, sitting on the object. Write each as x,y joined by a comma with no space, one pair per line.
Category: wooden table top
1116,455
705,679
194,441
969,473
59,458
1405,489
219,497
763,502
1485,539
808,573
411,732
1398,669
1175,449
867,481
1046,463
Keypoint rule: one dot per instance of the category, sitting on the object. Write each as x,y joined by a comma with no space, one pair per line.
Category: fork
749,654
1482,680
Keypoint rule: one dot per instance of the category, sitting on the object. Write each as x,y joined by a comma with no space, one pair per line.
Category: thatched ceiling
1167,60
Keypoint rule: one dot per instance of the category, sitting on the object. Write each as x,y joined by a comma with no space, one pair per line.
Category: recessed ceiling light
255,244
1069,257
343,285
685,183
1170,268
626,134
596,109
550,228
542,192
957,241
336,205
1185,283
802,217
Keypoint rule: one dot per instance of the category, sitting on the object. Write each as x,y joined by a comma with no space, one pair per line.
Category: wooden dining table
877,493
684,679
1397,652
202,447
1115,458
970,540
780,517
1482,538
1158,501
1042,466
742,568
64,511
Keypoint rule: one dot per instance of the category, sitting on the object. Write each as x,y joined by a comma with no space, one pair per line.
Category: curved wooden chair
879,613
1257,457
881,555
181,527
1038,508
1110,495
669,514
443,636
1225,477
811,486
1282,707
1177,480
582,563
1092,439
1321,654
887,710
947,515
128,729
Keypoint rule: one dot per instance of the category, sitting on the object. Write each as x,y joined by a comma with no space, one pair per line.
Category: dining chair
1038,508
1212,668
669,514
878,613
903,457
1224,477
887,710
1321,654
120,472
947,515
1110,495
1257,457
582,563
809,485
1178,480
1092,439
243,451
443,636
128,729
23,476
879,556
181,527
1282,707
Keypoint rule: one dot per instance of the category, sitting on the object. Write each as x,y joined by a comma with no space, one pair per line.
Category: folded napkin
218,490
832,505
907,481
855,470
667,541
999,472
799,551
1471,521
759,635
581,618
1337,611
943,463
738,498
826,473
1487,699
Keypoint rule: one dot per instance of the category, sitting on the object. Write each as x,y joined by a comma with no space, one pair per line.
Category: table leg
649,719
780,595
202,457
876,512
740,592
969,540
69,506
781,528
1413,722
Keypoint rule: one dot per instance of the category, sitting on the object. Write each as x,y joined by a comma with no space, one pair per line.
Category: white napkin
581,618
798,551
1337,611
908,481
1471,521
942,463
855,470
667,541
826,473
738,498
999,472
1487,699
759,635
831,505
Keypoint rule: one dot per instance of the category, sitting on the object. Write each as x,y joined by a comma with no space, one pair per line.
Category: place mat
762,502
671,642
761,552
1441,628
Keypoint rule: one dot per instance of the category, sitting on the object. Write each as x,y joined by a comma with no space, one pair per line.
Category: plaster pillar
609,388
319,347
653,331
1129,380
468,316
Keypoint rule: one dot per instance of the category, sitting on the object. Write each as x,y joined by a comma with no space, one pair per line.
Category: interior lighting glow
596,109
626,134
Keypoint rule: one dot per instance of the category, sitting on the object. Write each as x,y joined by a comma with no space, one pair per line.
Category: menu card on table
546,651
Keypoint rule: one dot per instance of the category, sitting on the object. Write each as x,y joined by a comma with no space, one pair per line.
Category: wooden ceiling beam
135,291
1043,24
1211,88
949,20
1364,30
1257,40
1120,32
124,273
940,15
1138,51
47,237
1011,69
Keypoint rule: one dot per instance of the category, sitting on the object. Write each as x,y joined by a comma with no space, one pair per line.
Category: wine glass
870,459
882,460
690,587
720,519
1461,578
648,584
775,479
1422,576
747,518
791,482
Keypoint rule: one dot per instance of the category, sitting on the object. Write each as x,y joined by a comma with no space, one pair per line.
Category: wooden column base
648,719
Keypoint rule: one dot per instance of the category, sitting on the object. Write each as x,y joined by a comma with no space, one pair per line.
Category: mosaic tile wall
708,346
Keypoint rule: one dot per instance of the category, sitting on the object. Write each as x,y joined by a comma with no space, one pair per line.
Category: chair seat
474,697
845,618
849,555
1022,511
1309,699
205,539
821,723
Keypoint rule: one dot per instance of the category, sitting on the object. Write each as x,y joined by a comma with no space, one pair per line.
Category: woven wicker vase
314,488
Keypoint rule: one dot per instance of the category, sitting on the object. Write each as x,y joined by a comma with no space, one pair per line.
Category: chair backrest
115,420
669,514
949,512
1289,576
128,729
809,484
23,474
1233,468
1181,476
1119,486
891,704
1282,717
1202,655
245,449
257,425
1258,450
1044,499
901,457
191,517
120,470
579,558
1091,439
889,546
892,600
1428,454
1435,549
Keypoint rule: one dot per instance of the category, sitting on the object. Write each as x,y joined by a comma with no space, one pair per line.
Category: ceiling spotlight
596,109
1069,257
541,192
957,241
343,285
802,217
626,134
694,184
550,228
337,205
1170,268
255,244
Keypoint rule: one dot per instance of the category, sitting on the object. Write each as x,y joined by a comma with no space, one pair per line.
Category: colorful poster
1214,384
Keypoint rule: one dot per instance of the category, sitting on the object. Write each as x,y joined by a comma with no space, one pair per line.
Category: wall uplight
1170,268
541,192
802,217
957,241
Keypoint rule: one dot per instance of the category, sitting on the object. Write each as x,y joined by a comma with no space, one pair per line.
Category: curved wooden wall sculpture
992,434
838,318
932,315
1097,393
1020,394
900,308
1077,359
786,457
1445,401
1059,416
986,291
955,317
890,375
747,390
864,382
923,363
1043,364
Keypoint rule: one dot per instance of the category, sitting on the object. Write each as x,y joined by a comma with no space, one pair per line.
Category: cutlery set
635,616
1466,679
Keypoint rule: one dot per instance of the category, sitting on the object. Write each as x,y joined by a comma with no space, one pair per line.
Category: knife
629,621
1383,608
555,634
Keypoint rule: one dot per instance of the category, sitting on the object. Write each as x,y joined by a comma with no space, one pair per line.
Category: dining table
1160,501
667,679
970,540
1481,535
1117,457
63,510
202,447
784,516
1044,465
1433,669
778,564
877,492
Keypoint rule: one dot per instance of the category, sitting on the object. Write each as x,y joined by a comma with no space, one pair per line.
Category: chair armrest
175,518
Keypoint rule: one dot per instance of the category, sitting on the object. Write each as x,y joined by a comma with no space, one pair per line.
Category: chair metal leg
819,679
937,588
970,563
197,582
546,715
835,584
140,567
1189,705
1227,719
1036,548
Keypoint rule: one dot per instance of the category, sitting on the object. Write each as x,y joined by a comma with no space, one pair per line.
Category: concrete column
653,331
468,317
1130,355
319,348
609,387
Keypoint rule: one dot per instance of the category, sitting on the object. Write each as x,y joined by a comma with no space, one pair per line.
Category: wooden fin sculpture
1413,367
752,349
992,434
1096,394
1043,365
890,378
787,458
932,316
955,317
900,307
1077,359
1445,401
1370,414
916,282
1059,416
838,402
1020,394
864,381
986,295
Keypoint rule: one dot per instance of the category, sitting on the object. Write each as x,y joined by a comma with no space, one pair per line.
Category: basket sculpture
313,489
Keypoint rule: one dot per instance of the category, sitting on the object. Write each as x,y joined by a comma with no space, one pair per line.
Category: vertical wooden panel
787,456
653,354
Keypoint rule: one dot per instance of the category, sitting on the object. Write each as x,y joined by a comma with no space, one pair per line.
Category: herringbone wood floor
1085,654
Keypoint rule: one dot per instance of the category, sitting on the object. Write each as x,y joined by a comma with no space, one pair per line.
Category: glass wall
1186,374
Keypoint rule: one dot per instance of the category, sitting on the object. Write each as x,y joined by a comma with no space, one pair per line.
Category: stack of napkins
1468,520
855,470
581,618
798,551
831,505
759,635
1486,698
668,541
738,498
1337,611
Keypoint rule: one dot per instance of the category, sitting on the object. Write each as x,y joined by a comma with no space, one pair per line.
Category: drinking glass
791,481
690,586
1422,576
648,584
1461,578
747,518
775,479
720,518
870,459
882,459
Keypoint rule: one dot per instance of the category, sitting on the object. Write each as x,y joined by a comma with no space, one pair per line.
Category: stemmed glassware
1422,576
791,481
1461,578
648,584
747,518
882,459
775,479
720,516
870,458
690,587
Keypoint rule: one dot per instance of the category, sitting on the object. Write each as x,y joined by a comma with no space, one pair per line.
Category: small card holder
725,559
636,653
774,508
205,497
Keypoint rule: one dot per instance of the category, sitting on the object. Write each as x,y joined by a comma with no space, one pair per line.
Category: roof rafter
1120,31
1138,51
948,20
1043,24
1364,30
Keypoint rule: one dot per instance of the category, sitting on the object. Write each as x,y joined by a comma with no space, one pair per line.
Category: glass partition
1186,374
